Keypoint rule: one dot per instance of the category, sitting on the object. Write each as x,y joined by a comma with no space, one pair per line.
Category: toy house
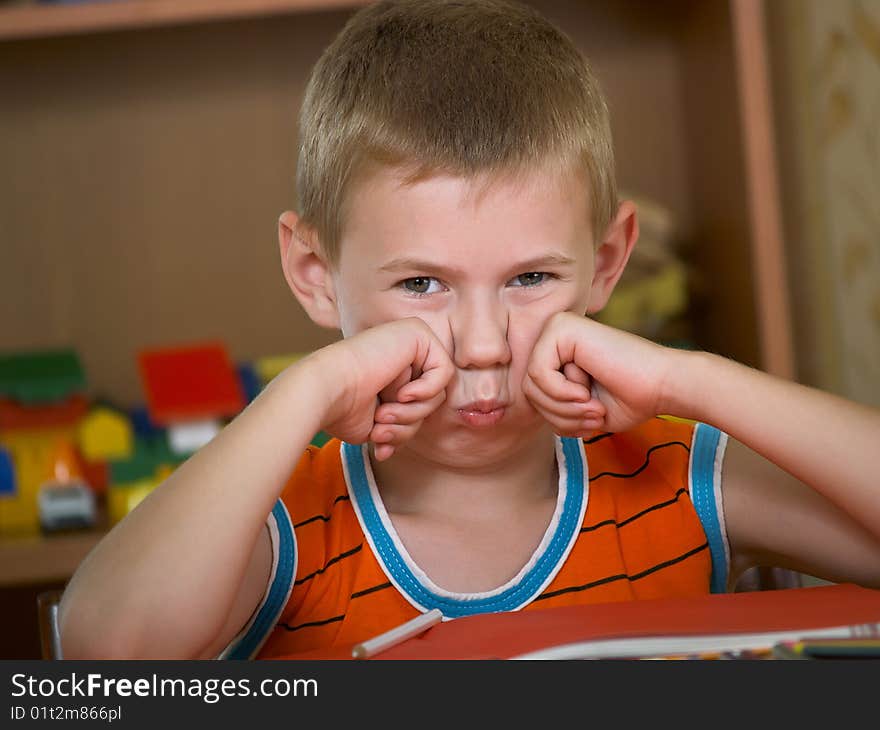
191,391
41,403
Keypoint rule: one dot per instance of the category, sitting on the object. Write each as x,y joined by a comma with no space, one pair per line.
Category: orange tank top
638,515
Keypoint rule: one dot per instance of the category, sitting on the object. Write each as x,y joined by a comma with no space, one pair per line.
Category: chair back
47,617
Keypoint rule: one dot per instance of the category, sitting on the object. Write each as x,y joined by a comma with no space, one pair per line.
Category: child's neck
527,475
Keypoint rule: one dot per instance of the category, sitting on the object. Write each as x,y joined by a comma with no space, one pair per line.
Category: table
508,635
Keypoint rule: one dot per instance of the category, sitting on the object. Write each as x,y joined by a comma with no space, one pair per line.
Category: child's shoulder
663,449
656,432
317,482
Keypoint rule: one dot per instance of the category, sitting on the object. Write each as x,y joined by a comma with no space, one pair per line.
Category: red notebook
640,628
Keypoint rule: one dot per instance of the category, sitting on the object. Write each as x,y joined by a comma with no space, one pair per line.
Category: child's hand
384,382
584,376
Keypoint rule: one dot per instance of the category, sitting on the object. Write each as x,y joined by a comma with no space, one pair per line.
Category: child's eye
532,278
421,285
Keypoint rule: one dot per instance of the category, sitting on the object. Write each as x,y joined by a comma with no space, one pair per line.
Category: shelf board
45,558
93,16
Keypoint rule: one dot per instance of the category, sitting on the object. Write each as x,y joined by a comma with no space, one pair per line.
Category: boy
495,448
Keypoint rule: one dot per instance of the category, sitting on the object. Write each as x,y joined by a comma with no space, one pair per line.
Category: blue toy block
144,428
7,474
250,380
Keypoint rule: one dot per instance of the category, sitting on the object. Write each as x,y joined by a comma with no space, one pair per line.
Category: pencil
397,635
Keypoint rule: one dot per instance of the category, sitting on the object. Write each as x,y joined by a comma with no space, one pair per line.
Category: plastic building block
141,464
68,412
19,516
66,506
190,383
141,423
320,438
270,367
147,456
187,438
97,475
123,498
64,465
7,474
32,453
105,434
41,376
250,381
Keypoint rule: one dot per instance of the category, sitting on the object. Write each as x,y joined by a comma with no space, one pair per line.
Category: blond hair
461,87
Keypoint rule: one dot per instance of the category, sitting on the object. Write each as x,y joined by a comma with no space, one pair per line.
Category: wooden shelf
44,558
40,21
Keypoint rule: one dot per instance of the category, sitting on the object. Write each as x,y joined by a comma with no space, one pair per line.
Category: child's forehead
476,187
386,194
391,207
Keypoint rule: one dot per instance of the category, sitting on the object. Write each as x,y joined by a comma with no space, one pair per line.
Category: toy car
66,506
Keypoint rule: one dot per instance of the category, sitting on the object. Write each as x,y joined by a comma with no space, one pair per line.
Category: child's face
484,272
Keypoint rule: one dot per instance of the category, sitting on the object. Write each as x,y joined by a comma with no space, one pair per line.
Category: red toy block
14,416
190,383
97,475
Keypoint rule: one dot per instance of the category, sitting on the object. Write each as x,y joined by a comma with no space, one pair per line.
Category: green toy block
41,376
147,456
320,438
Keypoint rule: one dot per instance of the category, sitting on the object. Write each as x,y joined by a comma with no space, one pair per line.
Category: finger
391,391
575,428
383,451
393,434
561,409
555,384
575,374
431,383
408,413
552,366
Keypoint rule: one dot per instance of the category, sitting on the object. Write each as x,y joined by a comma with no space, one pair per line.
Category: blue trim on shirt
703,451
507,600
268,614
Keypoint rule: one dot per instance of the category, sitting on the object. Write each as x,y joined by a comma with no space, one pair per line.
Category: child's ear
307,272
612,255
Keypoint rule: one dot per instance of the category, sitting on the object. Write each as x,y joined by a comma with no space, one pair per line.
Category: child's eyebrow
534,264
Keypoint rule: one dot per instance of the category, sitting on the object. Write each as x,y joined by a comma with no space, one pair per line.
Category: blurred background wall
827,88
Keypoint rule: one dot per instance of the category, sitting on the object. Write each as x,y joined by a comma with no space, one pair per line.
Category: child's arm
799,488
181,574
784,436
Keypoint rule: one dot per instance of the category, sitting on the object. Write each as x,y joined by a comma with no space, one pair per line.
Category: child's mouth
482,413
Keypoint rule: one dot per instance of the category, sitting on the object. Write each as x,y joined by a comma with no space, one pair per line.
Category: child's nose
479,334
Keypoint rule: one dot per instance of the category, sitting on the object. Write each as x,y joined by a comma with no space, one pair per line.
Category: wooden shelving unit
44,559
41,21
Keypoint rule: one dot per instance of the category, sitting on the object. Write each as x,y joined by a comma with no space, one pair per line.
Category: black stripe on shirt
326,621
341,556
633,518
367,591
333,619
599,437
325,518
624,576
643,466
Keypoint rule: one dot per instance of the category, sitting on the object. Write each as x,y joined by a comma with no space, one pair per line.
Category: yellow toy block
123,498
105,435
32,452
19,515
269,367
